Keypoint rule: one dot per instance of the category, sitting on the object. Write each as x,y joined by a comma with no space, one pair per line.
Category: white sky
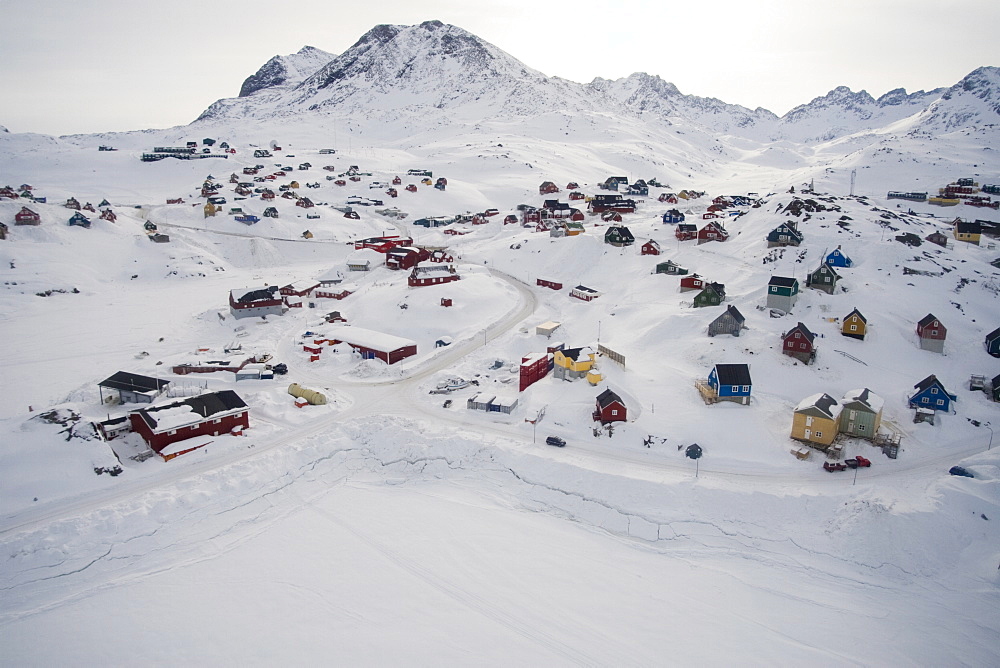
102,65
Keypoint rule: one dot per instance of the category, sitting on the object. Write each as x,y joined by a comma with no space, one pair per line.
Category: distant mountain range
438,73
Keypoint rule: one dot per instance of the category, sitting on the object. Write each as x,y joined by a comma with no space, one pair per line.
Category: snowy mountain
286,71
436,74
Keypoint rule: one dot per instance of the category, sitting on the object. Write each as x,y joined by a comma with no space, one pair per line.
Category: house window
774,289
933,332
802,346
809,421
933,390
171,432
925,400
614,412
217,421
861,427
940,402
854,328
819,434
826,279
746,388
735,388
798,335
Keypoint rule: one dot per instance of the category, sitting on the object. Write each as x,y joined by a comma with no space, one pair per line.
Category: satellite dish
693,451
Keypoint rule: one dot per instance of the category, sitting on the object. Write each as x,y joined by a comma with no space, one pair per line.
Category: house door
808,434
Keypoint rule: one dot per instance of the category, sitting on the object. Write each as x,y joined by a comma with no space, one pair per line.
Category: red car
858,461
834,466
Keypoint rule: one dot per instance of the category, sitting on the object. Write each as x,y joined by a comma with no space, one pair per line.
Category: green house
824,278
782,292
861,414
712,295
619,235
670,267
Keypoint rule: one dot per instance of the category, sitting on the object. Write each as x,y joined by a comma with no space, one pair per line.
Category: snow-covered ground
386,528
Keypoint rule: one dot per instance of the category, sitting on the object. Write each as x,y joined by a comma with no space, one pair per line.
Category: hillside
395,525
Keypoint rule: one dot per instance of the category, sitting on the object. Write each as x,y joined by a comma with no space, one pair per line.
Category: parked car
556,441
854,463
962,471
447,403
834,466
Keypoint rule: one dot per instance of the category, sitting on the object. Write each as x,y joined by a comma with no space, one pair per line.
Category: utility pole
854,174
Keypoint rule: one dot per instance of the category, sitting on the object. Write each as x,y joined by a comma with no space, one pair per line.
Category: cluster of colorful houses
27,216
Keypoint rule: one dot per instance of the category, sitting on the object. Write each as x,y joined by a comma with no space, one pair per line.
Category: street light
987,425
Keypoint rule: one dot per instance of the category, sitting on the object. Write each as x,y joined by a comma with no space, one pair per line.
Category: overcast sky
101,65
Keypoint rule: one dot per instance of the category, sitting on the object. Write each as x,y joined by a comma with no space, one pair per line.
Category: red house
382,244
168,428
610,408
178,200
267,195
932,333
422,276
799,343
685,232
692,282
299,289
547,188
534,367
27,217
72,203
651,247
712,232
372,345
405,257
575,195
305,203
548,283
8,193
333,292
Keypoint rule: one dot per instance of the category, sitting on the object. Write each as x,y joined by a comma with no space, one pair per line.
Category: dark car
447,403
962,471
556,441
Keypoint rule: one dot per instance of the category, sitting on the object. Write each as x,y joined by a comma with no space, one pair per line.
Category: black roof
825,403
735,312
133,382
927,382
802,328
856,312
926,320
607,397
782,281
262,294
993,335
205,405
733,374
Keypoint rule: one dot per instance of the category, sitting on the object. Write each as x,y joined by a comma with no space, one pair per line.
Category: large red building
212,414
372,345
435,275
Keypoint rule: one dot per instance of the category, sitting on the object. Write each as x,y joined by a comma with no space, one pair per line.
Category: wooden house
299,289
574,228
572,185
824,279
712,294
433,275
937,238
782,293
79,220
72,203
931,333
305,203
405,257
88,207
799,342
371,344
270,212
651,247
816,420
786,234
132,388
549,283
931,395
267,194
970,233
547,188
108,215
992,342
257,301
572,363
686,232
673,216
667,198
619,235
838,258
731,382
9,193
27,217
173,429
672,268
692,282
861,413
854,325
584,293
712,232
730,322
610,408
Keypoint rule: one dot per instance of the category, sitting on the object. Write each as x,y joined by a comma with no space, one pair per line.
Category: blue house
931,395
731,382
673,216
786,234
992,342
838,259
80,220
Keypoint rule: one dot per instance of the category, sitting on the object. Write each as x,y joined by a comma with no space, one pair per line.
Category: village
399,253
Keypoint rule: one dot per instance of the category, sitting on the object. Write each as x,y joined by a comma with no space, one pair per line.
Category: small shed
547,328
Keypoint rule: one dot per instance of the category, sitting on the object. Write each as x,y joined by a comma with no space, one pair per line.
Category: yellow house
816,420
573,363
293,184
968,232
855,325
210,209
